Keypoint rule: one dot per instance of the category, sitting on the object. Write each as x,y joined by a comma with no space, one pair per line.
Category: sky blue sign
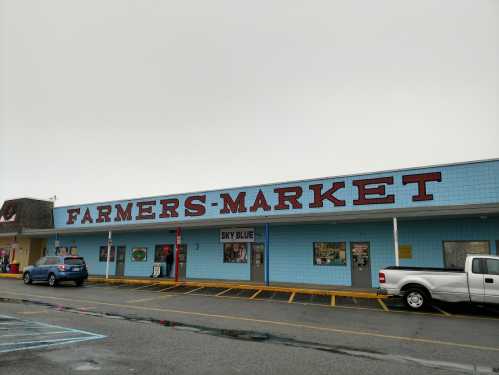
460,184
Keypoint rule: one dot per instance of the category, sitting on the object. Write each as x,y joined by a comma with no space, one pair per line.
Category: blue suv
53,269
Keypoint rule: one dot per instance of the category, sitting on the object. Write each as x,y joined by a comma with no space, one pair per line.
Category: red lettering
379,189
282,197
233,206
145,210
195,209
87,217
260,202
123,214
72,215
104,212
319,197
421,180
169,209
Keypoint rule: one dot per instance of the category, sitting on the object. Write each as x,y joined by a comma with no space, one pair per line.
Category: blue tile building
328,231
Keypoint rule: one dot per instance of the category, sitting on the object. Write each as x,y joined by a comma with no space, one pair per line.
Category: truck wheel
416,299
27,278
79,282
52,280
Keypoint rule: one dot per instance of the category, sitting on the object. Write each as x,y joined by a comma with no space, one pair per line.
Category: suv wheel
27,278
52,280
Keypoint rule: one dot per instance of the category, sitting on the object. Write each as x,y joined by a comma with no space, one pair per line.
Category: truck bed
428,269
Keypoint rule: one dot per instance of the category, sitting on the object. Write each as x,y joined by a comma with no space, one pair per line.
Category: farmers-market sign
414,188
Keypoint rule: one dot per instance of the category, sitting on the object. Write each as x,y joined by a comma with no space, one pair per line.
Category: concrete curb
10,276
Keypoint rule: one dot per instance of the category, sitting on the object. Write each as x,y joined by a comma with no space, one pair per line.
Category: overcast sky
110,99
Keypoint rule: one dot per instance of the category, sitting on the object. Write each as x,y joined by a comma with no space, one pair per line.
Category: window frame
234,243
112,255
314,257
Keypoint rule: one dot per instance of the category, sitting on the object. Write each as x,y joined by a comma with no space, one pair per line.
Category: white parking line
47,335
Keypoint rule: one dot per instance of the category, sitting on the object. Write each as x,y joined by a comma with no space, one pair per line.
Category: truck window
492,266
476,266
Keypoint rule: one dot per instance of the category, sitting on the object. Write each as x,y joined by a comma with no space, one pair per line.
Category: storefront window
161,252
103,254
330,254
455,252
235,252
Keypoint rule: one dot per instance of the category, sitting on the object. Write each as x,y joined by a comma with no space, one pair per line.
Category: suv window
52,260
73,261
492,266
41,261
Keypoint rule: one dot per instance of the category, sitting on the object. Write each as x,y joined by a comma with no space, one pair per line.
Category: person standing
5,263
169,262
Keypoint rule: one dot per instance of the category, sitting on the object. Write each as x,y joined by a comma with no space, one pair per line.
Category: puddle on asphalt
253,336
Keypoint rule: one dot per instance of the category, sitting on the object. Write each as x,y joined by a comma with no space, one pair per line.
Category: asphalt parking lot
158,330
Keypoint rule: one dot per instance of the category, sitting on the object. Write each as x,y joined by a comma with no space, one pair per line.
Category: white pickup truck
477,283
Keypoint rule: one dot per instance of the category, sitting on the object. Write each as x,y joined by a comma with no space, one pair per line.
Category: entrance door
361,265
182,261
120,261
257,262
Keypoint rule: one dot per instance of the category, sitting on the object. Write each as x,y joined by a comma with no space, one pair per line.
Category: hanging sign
156,270
237,235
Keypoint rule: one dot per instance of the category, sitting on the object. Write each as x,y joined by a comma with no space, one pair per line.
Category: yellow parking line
442,311
223,292
331,329
193,290
143,287
255,294
383,305
291,297
170,287
333,300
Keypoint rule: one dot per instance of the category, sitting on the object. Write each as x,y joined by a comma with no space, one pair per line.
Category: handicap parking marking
20,334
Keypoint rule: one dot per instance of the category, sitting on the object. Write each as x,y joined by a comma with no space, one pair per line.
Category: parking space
387,305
